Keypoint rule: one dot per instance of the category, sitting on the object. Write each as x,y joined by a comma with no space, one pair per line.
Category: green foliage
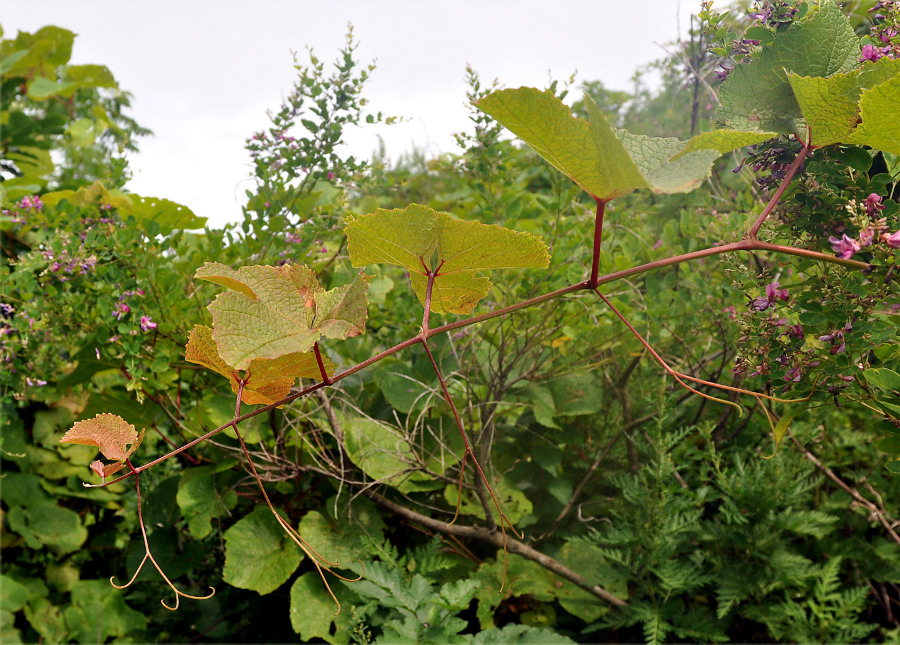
648,514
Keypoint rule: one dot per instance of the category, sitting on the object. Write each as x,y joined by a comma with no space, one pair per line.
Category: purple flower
773,293
31,203
873,204
866,237
892,240
870,52
844,247
147,324
35,382
121,310
723,74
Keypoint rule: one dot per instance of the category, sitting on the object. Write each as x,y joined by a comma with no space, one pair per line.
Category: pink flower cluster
845,246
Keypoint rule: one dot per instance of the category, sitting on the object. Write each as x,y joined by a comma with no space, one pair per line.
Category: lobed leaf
829,105
109,432
267,379
420,240
272,312
724,141
879,127
602,161
757,95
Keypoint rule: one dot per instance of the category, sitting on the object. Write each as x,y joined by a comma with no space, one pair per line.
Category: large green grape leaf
271,312
259,555
201,500
420,240
380,451
878,109
588,152
829,105
267,379
757,96
591,153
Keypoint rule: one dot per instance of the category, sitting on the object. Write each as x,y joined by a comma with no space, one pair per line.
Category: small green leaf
380,451
782,427
312,610
883,379
43,88
201,500
890,444
259,555
421,240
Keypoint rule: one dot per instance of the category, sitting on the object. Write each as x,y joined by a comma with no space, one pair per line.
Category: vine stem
511,544
748,244
504,520
598,237
789,175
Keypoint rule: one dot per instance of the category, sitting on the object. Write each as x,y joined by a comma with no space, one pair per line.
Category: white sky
204,72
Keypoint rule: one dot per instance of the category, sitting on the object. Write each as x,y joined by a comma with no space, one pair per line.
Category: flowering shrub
402,355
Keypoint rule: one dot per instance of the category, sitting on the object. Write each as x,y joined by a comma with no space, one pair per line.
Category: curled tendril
178,594
149,556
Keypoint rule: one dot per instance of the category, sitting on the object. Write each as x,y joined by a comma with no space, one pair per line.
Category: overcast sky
204,72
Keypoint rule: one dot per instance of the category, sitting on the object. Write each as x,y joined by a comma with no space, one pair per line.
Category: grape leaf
268,379
880,127
271,312
662,165
109,432
724,141
592,154
757,96
420,240
379,450
829,105
259,555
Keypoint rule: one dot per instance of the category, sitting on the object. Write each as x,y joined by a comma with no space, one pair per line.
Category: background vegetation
659,497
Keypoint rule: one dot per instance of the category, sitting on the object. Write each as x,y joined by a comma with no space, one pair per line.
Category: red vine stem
598,236
749,244
789,175
325,378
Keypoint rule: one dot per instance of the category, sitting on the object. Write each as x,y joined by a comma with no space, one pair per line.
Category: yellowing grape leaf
274,311
420,240
591,153
268,379
109,432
